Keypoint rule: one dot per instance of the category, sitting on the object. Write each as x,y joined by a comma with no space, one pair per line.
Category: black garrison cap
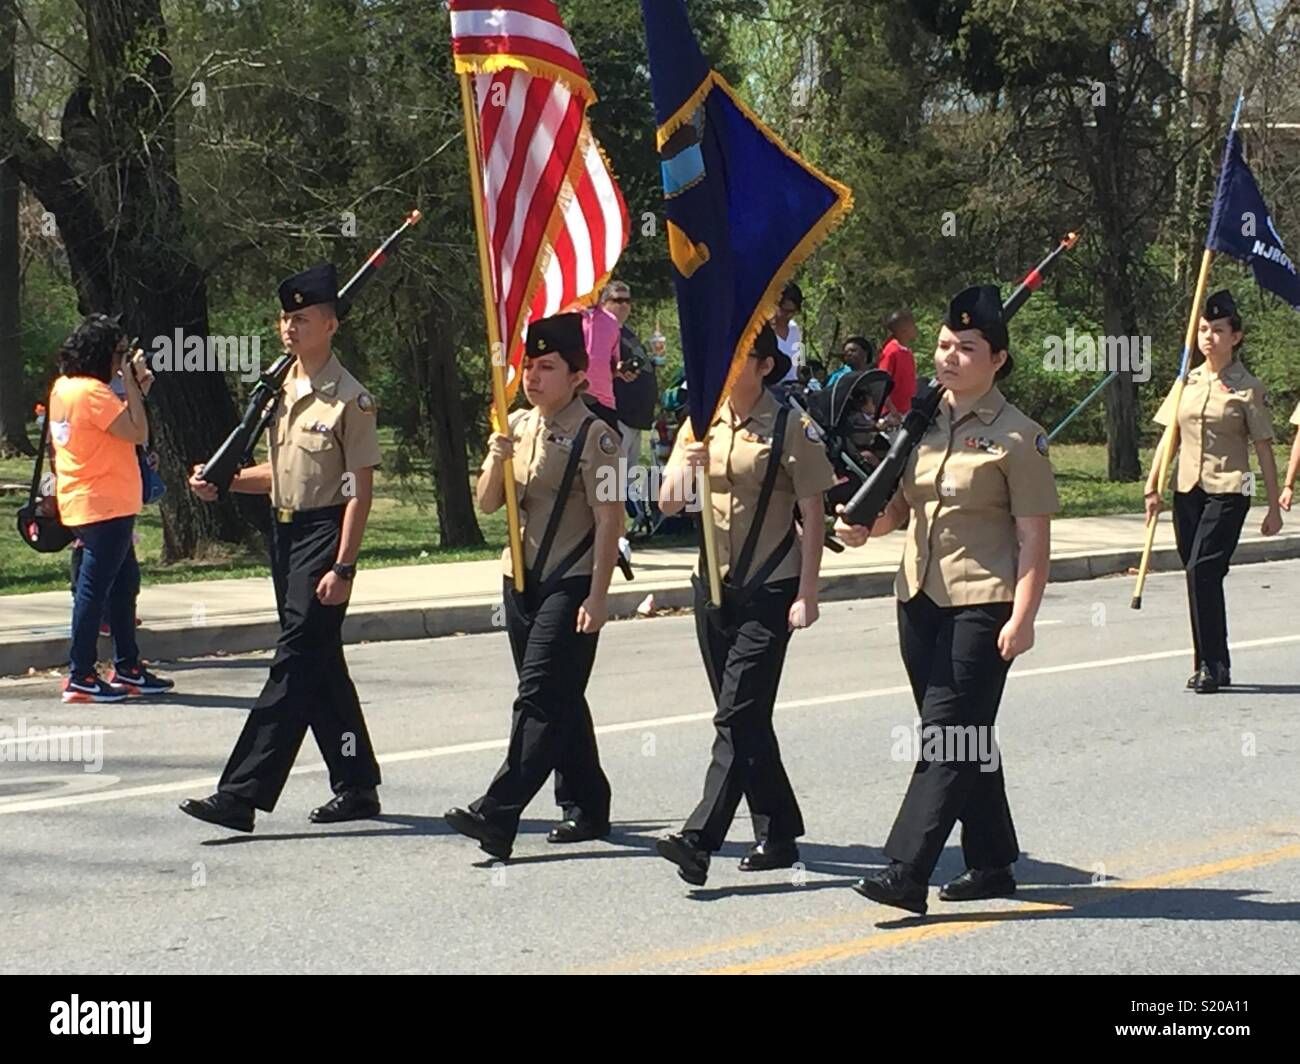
765,346
560,335
980,307
1220,305
320,284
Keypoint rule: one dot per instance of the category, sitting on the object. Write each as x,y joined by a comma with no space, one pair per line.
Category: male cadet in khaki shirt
977,497
324,450
1223,410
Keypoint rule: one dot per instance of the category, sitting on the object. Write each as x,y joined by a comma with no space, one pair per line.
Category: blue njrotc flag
1241,225
743,210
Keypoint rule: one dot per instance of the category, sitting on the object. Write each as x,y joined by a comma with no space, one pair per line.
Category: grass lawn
403,527
402,530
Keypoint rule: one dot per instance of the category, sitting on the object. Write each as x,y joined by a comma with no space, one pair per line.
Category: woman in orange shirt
98,488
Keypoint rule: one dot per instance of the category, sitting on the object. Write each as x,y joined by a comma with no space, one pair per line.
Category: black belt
285,516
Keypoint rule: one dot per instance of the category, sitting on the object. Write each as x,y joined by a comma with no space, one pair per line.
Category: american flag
556,221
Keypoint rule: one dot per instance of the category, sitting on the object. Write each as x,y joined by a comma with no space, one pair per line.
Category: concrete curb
474,615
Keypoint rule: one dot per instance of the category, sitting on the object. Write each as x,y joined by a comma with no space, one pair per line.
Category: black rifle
237,450
872,498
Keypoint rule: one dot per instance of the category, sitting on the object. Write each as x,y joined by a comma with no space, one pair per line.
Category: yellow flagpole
710,537
1168,445
499,355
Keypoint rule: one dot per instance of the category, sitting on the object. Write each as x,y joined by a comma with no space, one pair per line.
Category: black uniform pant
1206,529
309,685
744,661
551,729
957,675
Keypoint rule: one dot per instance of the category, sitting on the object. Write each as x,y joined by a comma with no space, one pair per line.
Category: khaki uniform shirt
966,484
1217,419
739,450
324,429
541,452
1295,417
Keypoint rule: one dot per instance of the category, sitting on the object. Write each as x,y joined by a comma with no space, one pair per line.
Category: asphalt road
1161,830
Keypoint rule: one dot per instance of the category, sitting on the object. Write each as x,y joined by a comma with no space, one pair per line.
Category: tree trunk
1186,163
1122,461
113,189
1214,122
1119,303
457,523
13,401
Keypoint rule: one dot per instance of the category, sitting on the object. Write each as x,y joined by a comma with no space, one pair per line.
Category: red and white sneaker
140,682
91,689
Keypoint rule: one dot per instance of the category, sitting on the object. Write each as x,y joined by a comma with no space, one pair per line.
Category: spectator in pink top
601,331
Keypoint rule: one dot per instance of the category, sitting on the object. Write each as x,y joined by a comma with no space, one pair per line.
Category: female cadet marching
1293,463
1223,408
762,461
565,463
977,497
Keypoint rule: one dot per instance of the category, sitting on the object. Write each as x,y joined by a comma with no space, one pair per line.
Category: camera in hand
633,364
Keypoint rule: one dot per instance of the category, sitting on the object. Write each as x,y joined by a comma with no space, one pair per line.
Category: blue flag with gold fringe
743,210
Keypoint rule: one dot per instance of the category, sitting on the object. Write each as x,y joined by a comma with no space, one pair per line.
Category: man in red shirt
896,360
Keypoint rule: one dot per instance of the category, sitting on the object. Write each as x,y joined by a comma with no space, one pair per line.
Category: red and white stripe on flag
555,218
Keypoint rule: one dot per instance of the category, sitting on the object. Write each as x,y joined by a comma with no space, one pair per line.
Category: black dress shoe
578,831
359,804
692,862
1221,673
893,886
766,855
1207,680
977,883
224,810
491,839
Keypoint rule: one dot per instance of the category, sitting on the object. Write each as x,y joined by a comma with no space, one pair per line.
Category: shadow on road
1117,902
195,701
1261,689
261,660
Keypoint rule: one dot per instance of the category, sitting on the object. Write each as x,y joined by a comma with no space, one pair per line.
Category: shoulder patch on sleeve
1040,442
607,444
364,403
810,429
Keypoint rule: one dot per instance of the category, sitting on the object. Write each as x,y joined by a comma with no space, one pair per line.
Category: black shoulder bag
536,589
38,521
736,590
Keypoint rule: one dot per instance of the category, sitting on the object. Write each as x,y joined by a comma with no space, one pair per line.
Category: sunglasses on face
619,299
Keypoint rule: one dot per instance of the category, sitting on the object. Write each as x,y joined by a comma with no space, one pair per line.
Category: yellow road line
795,928
889,940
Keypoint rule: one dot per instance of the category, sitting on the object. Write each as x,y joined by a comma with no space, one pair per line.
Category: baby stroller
846,414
